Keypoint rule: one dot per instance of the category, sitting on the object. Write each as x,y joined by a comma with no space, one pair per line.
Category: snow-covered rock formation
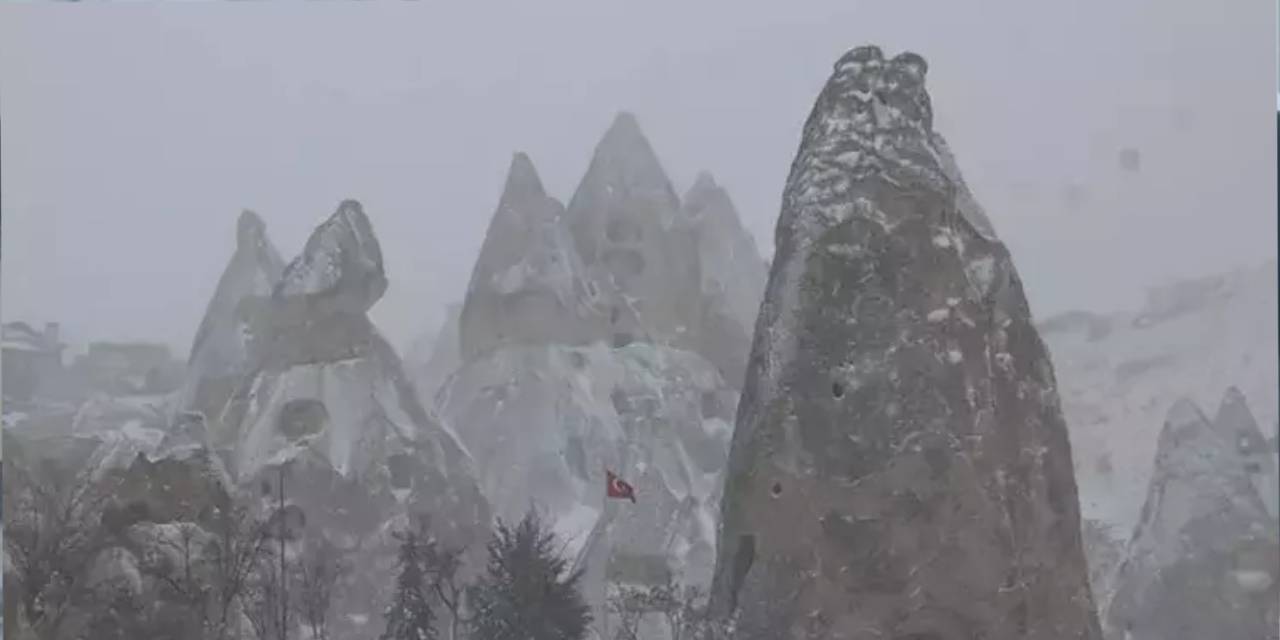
594,339
733,277
900,466
328,399
220,352
626,223
1119,373
1205,557
528,285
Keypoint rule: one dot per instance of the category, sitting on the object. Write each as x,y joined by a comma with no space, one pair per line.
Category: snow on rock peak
220,351
637,249
328,390
522,179
733,277
528,285
251,231
888,471
341,258
328,400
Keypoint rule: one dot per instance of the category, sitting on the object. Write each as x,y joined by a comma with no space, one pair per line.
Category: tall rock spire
219,354
327,397
900,466
638,250
528,285
733,277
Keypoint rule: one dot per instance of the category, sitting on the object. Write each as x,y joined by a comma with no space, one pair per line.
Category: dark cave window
401,468
837,389
302,417
575,455
776,490
710,404
621,403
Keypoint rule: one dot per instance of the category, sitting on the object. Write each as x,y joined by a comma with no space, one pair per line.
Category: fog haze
133,135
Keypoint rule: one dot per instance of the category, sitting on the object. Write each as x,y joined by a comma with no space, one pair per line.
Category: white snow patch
955,357
1253,581
942,241
844,250
574,527
982,273
939,315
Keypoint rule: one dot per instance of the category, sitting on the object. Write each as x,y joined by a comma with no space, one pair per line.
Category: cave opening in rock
302,417
401,467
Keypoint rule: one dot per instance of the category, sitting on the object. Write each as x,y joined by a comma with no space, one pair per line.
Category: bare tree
51,535
629,604
443,564
262,598
239,544
319,571
682,608
173,557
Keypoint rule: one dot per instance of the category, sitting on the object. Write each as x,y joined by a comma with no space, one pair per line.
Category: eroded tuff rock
328,397
626,224
528,285
1204,559
900,466
219,354
733,277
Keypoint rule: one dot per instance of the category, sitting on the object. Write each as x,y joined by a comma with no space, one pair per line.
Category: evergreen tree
528,591
410,616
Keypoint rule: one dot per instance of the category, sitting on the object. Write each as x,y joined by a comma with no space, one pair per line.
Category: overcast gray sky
134,134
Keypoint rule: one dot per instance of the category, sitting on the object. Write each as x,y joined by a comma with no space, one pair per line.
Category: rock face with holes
220,352
528,285
1204,559
900,466
329,400
626,224
611,335
733,277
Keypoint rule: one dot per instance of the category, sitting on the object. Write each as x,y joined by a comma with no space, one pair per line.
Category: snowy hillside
1119,374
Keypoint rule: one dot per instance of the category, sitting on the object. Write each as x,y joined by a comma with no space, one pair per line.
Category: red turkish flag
618,488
